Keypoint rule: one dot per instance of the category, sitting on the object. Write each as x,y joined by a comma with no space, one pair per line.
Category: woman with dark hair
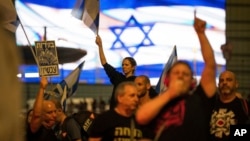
116,77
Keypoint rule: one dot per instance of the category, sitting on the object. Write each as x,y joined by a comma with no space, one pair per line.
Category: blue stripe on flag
160,86
110,4
88,11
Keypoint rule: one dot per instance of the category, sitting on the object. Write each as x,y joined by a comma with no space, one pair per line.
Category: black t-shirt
42,134
112,126
224,115
185,118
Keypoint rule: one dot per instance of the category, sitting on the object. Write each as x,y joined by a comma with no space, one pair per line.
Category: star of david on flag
132,23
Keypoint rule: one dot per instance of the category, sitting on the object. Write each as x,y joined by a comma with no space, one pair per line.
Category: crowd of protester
137,112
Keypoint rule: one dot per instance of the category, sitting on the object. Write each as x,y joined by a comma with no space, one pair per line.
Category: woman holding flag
116,77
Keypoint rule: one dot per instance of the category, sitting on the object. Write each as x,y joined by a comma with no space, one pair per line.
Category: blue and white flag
88,11
161,86
70,82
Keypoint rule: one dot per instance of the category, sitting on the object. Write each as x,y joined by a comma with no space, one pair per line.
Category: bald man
43,118
227,86
229,109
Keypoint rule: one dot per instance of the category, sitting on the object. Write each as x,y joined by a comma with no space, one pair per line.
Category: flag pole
29,44
98,17
64,98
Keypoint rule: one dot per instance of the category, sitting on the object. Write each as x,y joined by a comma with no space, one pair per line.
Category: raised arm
151,109
209,72
98,41
36,120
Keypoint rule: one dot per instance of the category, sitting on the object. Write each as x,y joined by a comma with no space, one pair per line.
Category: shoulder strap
245,106
158,134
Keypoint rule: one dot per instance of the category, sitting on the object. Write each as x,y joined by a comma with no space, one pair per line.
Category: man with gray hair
119,123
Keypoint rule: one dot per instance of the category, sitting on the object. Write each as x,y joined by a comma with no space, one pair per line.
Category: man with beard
229,108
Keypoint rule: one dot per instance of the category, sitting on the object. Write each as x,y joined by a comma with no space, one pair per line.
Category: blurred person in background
11,125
